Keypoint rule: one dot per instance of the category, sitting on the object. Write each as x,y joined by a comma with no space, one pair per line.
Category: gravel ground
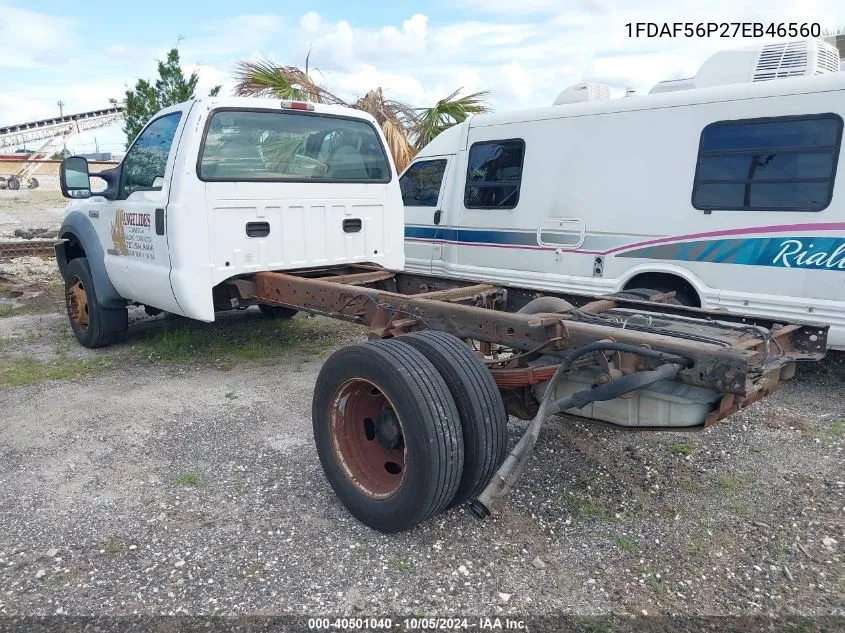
38,208
184,486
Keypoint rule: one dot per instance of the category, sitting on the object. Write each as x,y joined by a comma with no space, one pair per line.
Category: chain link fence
27,248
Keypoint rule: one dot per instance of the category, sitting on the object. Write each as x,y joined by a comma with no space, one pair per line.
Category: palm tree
836,37
405,128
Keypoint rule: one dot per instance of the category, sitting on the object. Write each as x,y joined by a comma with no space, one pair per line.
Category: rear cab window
421,182
279,146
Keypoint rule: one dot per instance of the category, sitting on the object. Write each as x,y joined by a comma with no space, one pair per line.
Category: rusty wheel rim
77,303
367,438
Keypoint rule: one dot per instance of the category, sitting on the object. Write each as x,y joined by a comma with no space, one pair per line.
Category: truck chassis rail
629,344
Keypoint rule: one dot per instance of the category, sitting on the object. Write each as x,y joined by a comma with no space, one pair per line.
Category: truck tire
13,183
388,434
276,312
33,183
2,183
484,420
92,324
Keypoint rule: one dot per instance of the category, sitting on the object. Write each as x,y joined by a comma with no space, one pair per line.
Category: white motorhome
721,188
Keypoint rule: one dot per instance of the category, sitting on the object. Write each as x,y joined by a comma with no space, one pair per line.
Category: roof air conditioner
766,62
581,92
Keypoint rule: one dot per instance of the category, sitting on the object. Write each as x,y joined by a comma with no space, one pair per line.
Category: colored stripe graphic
528,240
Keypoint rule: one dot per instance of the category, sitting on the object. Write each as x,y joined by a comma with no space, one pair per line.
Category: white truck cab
218,188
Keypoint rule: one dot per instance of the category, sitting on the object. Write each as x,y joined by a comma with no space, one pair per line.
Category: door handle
352,225
257,229
437,215
159,221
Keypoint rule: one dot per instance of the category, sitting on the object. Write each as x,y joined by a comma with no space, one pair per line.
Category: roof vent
783,60
581,92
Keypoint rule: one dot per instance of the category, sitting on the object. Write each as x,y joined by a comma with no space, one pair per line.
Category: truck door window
494,172
145,162
272,146
420,184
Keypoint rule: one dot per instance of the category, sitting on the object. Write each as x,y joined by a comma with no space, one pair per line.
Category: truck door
424,195
135,222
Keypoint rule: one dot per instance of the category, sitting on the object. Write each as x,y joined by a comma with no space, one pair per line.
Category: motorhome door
423,193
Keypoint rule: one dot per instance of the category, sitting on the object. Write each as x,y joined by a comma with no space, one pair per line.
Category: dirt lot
25,209
176,474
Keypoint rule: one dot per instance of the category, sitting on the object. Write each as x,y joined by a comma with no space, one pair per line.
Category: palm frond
406,129
263,78
279,152
445,113
400,147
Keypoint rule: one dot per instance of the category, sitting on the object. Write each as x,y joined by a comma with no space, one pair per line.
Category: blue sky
524,51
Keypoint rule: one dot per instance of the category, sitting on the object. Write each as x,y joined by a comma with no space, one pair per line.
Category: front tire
91,323
388,434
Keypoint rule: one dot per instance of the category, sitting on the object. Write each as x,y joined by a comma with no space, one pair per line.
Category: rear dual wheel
403,430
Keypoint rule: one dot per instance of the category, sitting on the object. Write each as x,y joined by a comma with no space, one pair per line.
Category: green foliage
405,128
446,113
187,479
402,565
147,98
627,544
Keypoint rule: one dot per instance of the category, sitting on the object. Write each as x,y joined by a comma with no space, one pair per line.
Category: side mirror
74,179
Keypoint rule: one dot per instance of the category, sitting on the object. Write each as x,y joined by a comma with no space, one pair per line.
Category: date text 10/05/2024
418,624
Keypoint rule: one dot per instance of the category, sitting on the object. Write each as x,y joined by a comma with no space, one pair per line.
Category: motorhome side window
145,162
270,146
494,173
780,164
421,183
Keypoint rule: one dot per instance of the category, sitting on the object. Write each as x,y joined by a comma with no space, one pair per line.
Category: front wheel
388,434
92,324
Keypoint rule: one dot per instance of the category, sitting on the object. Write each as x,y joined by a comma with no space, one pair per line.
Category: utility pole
61,105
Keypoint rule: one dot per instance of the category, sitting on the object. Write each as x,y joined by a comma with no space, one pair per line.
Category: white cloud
33,39
310,21
521,83
525,51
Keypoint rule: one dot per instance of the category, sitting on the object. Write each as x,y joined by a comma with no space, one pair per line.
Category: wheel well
73,248
666,282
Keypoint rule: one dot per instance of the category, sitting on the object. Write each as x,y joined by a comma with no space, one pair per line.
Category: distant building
99,156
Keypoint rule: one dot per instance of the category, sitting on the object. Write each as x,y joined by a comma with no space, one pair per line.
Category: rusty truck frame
526,345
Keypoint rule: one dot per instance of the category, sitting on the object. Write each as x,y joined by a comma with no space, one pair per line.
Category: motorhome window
269,146
782,164
421,183
494,173
145,162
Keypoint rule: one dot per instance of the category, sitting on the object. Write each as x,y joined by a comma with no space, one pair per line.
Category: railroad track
26,247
